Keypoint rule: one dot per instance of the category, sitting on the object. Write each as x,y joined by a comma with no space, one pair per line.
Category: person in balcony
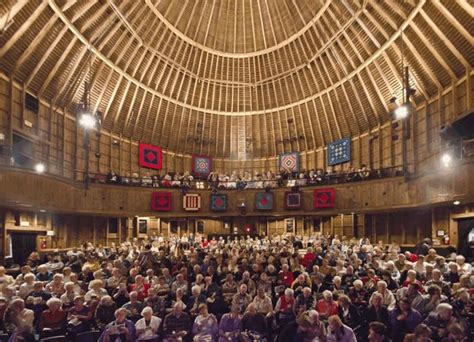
146,180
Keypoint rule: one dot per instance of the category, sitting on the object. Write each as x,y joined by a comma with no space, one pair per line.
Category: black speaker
464,126
448,133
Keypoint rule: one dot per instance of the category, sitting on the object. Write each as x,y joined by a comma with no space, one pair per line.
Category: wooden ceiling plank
58,63
454,21
23,28
433,51
445,40
34,45
11,11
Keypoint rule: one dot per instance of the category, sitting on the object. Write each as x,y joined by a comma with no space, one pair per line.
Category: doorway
466,238
22,246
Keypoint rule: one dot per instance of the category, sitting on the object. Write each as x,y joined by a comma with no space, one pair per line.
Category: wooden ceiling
235,78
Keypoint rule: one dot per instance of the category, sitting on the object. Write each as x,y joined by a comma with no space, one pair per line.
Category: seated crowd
235,180
278,288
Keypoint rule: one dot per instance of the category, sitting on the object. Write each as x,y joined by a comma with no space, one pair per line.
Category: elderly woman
120,329
205,327
357,294
147,327
56,286
96,289
67,298
27,286
242,299
338,331
52,320
140,287
388,299
105,311
327,306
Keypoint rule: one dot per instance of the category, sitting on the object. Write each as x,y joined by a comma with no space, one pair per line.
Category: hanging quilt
293,200
202,166
324,198
161,201
150,156
218,202
192,202
339,151
289,162
264,201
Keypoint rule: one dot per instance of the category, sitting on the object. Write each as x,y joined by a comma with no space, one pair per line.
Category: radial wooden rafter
292,68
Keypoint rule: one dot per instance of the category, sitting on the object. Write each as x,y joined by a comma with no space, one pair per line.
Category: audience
246,180
279,288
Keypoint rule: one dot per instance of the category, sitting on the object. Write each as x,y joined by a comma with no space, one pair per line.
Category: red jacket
286,277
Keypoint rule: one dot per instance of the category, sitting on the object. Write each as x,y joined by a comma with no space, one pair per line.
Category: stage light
457,202
446,160
40,168
87,121
401,112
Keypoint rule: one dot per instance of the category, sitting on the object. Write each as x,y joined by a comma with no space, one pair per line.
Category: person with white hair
284,307
304,301
147,328
453,275
439,320
195,300
96,289
5,279
464,267
388,299
27,286
327,306
52,320
242,299
120,329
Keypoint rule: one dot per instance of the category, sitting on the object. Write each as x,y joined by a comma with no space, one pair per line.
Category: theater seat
87,336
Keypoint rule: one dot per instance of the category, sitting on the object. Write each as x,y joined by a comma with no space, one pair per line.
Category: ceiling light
42,210
40,168
401,112
457,202
446,160
87,121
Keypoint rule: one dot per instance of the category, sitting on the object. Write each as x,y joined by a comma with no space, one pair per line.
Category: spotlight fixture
457,202
40,168
401,112
87,121
446,160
